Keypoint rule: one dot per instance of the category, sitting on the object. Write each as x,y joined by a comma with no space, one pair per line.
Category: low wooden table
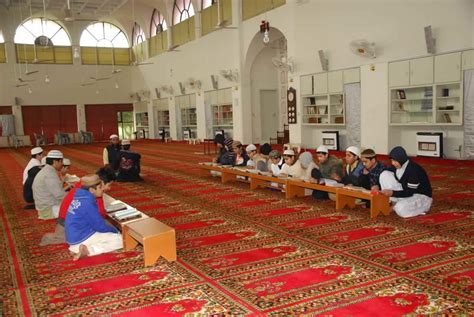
296,187
157,239
207,146
379,203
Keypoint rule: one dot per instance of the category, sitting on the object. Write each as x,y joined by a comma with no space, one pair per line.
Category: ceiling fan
69,15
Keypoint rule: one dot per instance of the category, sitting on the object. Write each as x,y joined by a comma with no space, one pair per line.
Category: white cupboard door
320,83
421,71
335,83
351,76
306,84
468,59
399,74
448,67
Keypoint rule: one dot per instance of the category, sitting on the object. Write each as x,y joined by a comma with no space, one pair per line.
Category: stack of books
127,214
115,206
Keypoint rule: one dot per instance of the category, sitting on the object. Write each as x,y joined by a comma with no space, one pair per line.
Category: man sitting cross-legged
86,231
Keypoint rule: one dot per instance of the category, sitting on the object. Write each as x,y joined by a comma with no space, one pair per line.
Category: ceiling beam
118,6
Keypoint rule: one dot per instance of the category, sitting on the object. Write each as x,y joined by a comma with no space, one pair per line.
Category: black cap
265,149
398,154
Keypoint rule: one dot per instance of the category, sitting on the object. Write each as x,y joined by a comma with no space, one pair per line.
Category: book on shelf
401,94
447,117
426,104
428,91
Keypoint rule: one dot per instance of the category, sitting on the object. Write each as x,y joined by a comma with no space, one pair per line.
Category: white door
268,114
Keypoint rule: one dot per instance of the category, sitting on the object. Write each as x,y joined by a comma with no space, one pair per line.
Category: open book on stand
115,206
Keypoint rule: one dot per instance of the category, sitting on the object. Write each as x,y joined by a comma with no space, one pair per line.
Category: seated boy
85,229
129,164
409,188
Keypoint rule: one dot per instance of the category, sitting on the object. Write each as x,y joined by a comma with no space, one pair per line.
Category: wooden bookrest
378,203
157,239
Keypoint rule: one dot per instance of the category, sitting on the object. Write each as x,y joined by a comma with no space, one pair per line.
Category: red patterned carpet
243,252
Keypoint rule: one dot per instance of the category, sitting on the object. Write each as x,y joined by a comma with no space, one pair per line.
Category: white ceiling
80,8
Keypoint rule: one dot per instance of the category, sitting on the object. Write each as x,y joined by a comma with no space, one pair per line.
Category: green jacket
332,166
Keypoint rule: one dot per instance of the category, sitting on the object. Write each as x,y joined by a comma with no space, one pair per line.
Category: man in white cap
251,150
354,166
292,166
48,189
329,165
111,154
129,164
36,156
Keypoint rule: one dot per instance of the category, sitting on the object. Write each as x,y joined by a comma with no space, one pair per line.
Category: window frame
161,26
184,9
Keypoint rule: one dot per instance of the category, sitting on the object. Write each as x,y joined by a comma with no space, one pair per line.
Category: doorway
125,125
269,114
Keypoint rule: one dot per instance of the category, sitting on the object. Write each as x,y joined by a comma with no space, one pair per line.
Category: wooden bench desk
157,239
296,187
378,203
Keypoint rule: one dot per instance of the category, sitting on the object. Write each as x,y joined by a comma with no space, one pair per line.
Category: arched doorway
267,85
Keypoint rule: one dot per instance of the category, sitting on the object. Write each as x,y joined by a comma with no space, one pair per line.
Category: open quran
127,214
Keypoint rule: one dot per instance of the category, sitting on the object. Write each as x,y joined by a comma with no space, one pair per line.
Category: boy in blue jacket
86,231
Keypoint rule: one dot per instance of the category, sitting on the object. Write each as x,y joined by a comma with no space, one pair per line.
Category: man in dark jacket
111,154
408,186
28,185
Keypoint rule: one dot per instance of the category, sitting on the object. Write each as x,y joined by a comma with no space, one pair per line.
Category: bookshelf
188,118
327,109
222,115
439,104
163,118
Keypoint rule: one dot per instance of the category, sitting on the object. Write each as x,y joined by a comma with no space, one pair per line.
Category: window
3,57
138,36
103,34
2,40
158,23
182,10
30,30
207,3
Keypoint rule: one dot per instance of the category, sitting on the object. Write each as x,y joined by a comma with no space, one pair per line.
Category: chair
86,137
40,139
16,142
62,138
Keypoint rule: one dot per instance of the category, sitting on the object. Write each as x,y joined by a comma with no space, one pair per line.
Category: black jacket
113,152
28,186
414,181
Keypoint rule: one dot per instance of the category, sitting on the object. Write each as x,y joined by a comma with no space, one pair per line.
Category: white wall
374,107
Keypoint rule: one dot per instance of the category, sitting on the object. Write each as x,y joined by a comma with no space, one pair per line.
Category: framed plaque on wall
291,104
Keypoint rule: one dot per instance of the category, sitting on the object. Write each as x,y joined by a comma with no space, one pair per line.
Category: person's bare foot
83,252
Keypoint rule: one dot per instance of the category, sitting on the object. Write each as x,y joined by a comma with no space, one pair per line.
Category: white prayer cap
125,142
43,161
66,162
250,148
113,136
322,149
55,154
36,150
354,150
289,152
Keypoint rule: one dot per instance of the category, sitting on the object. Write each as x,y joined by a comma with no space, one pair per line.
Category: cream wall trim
16,111
174,119
201,116
374,107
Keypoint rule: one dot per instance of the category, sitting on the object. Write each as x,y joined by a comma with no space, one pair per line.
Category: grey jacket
47,191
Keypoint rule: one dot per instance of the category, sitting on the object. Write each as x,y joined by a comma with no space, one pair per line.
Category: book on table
116,205
127,214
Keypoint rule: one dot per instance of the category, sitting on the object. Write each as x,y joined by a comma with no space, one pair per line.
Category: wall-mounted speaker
214,82
323,60
182,88
157,92
18,101
430,40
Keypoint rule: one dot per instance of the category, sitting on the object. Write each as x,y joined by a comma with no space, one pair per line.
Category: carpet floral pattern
242,252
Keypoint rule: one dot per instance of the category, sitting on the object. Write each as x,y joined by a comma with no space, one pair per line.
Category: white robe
405,207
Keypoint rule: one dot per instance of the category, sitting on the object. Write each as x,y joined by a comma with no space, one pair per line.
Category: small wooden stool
157,239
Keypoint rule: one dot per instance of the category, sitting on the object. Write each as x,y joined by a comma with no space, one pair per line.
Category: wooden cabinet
220,102
335,82
351,76
448,68
320,83
468,59
399,74
413,72
421,71
306,84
